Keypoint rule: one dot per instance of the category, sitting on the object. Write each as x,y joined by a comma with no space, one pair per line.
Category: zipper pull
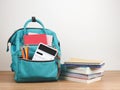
7,47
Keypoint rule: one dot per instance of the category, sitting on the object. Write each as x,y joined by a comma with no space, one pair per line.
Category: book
84,61
82,80
49,38
85,70
82,76
84,65
35,39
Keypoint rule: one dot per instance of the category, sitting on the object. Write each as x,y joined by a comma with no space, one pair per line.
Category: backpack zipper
14,33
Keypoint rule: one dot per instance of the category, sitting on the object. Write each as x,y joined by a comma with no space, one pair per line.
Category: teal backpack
28,70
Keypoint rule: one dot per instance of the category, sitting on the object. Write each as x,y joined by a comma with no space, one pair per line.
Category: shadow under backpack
28,70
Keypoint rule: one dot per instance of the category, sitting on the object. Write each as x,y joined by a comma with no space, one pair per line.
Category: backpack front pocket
36,70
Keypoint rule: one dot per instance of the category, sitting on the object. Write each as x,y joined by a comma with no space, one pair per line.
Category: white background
87,29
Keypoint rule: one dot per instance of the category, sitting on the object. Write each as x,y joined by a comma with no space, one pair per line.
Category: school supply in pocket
44,53
47,39
35,39
23,50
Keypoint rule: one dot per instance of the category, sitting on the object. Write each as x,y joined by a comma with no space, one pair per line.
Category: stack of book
86,71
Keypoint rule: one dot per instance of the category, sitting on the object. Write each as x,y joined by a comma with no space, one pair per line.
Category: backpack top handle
33,19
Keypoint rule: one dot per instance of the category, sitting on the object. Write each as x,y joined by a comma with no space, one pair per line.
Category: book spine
82,80
91,66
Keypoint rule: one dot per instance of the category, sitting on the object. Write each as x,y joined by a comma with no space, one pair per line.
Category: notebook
84,61
46,39
82,80
35,39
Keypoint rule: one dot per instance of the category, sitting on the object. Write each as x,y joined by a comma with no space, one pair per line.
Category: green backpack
28,70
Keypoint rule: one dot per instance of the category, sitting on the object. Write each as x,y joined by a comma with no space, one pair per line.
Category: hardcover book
84,61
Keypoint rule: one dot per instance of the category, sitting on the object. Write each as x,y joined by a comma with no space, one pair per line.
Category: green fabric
36,71
30,71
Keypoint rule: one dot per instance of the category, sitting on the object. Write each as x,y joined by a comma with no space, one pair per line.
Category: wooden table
110,81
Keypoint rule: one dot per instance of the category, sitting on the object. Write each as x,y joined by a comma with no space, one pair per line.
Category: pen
23,53
26,52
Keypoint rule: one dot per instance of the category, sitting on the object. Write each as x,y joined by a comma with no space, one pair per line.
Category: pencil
23,54
27,52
